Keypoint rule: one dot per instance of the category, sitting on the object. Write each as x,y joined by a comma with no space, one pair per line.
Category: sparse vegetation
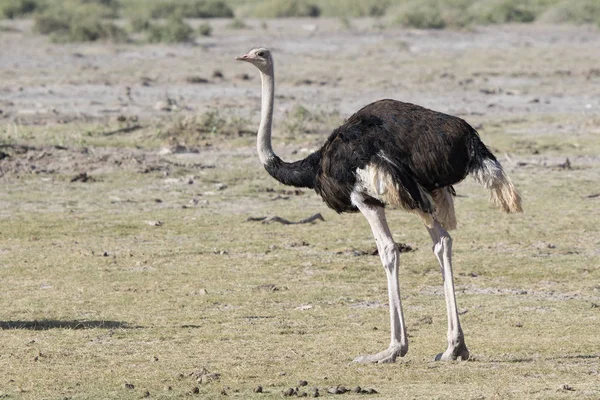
573,12
190,9
237,23
68,26
140,24
18,8
501,11
427,14
300,120
285,8
192,130
421,14
205,29
173,30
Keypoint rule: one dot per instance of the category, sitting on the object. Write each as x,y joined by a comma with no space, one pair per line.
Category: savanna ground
128,266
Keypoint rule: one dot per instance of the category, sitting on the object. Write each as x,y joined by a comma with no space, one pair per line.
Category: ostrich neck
263,142
301,173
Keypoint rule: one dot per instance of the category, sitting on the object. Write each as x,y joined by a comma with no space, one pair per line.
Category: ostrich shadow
47,324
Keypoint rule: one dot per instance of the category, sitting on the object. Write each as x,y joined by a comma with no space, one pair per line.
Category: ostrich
396,154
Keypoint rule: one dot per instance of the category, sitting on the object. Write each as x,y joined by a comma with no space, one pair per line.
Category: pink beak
245,57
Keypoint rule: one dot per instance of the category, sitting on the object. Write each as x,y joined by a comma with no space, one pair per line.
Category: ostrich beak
245,57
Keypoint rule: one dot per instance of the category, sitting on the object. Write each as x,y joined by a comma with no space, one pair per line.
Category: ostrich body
401,155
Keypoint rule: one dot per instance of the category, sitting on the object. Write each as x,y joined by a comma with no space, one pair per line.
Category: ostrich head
260,57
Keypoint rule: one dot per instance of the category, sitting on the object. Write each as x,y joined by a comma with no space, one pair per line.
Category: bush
107,8
192,9
574,12
502,11
237,23
285,8
17,8
421,14
139,24
91,29
174,30
64,26
47,24
205,29
354,8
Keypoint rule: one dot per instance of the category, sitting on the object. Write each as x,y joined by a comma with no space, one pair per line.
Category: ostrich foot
384,357
454,353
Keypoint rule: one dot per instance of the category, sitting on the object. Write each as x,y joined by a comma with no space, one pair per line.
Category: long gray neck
263,141
301,173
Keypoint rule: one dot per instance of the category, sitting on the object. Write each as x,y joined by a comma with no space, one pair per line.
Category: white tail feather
502,191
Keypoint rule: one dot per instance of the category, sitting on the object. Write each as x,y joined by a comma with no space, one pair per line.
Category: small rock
196,79
83,177
207,378
154,223
566,387
196,390
302,383
258,389
146,394
221,186
315,392
129,386
357,389
337,390
289,392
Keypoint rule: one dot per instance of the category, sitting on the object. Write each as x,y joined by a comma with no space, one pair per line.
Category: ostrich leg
442,248
390,257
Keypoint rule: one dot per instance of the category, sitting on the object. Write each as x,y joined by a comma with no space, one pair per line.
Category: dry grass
95,296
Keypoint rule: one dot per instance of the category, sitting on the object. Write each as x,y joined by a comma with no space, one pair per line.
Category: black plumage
421,149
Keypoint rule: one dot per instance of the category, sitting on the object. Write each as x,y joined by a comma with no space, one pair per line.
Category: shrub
47,24
354,8
65,26
575,12
17,8
192,9
91,29
285,8
501,11
139,24
237,23
174,30
421,14
205,29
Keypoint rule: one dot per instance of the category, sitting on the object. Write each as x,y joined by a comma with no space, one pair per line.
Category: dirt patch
20,159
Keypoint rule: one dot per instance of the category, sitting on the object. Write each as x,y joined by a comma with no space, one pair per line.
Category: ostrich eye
260,54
